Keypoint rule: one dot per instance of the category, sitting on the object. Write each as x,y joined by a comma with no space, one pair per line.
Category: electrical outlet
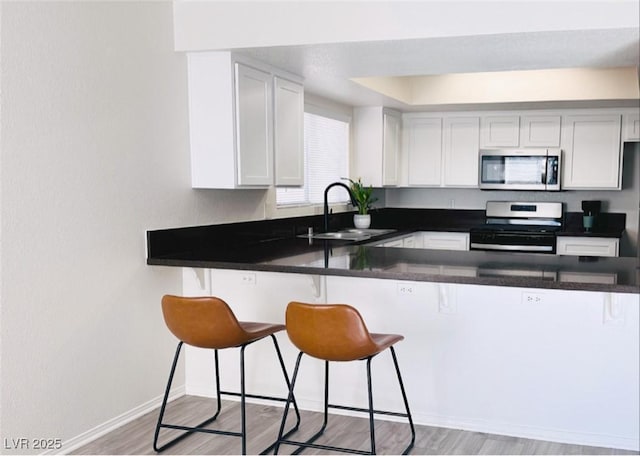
248,278
532,298
406,289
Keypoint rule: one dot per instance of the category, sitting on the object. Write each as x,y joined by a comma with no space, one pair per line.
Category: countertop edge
514,282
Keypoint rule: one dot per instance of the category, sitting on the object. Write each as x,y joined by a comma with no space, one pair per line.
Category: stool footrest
323,447
255,396
200,429
364,410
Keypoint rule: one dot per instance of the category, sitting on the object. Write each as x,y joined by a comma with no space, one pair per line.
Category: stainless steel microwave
520,169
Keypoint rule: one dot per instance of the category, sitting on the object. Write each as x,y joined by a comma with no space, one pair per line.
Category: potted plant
364,197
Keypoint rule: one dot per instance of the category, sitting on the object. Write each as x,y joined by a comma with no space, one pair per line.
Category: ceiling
327,69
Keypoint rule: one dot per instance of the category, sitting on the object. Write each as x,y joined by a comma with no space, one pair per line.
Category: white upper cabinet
288,132
592,152
520,131
499,131
376,132
631,127
461,143
231,123
423,149
253,127
540,131
391,149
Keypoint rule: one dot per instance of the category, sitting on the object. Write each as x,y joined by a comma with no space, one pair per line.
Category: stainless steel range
518,227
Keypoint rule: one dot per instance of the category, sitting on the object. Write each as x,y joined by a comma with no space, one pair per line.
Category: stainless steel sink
338,236
350,234
369,231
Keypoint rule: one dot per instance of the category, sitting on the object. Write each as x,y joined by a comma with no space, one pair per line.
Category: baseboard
114,423
489,427
530,432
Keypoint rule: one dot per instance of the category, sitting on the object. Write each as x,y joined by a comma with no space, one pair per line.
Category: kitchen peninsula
280,246
531,345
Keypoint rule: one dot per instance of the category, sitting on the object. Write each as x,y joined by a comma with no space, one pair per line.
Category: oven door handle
528,248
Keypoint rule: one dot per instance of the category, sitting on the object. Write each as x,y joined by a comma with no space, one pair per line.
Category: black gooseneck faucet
326,203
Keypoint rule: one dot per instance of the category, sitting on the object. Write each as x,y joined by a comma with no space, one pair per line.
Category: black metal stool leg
243,415
188,430
372,431
286,405
406,402
286,379
166,396
218,393
325,420
295,404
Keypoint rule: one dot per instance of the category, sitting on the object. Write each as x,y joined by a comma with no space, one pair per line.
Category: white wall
94,152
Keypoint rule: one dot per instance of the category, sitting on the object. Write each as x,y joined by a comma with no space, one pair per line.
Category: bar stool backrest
331,332
206,322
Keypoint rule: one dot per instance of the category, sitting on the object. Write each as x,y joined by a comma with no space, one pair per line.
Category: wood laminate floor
263,421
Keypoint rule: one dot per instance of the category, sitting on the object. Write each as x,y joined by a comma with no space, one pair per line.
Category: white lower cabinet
393,243
587,246
436,240
445,240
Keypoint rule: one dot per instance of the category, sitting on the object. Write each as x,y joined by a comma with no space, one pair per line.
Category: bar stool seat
208,322
337,332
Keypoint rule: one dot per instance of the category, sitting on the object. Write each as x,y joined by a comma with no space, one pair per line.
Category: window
326,150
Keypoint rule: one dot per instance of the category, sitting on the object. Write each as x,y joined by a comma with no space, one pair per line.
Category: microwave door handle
545,172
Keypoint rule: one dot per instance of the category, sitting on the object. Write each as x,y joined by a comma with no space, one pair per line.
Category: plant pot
362,221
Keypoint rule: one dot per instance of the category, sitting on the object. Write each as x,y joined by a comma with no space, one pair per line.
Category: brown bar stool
336,332
208,322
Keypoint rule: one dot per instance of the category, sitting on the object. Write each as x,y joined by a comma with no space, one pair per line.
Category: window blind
326,149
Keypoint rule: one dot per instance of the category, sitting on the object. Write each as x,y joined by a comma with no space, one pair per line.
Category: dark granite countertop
605,225
273,245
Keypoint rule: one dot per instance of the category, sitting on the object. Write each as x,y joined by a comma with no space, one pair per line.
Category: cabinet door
583,246
398,243
631,130
254,146
391,148
591,152
288,132
409,242
461,147
500,131
540,131
424,150
445,240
